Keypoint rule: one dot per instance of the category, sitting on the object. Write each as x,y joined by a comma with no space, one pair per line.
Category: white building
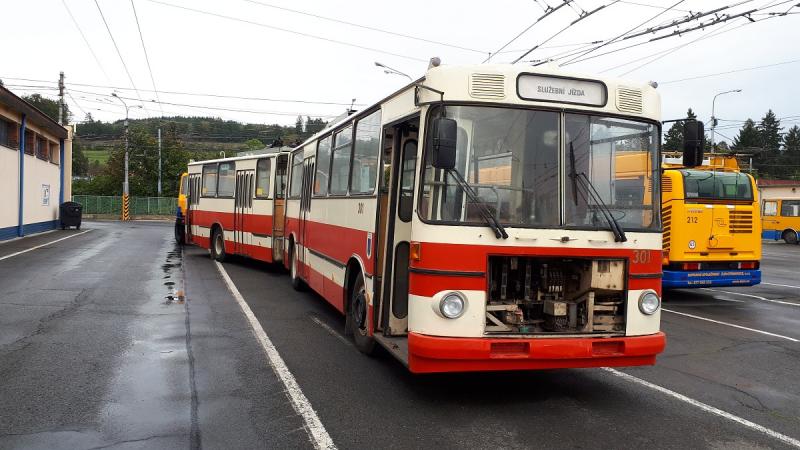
35,168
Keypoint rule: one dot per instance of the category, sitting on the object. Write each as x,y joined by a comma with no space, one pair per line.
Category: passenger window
323,166
770,208
790,208
209,180
296,187
340,165
407,173
262,178
365,155
227,179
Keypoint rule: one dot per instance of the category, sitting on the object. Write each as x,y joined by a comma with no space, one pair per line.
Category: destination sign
564,90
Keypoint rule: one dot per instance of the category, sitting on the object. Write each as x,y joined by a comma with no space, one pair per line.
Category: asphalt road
95,354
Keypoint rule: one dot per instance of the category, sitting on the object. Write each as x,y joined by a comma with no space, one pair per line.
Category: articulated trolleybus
481,218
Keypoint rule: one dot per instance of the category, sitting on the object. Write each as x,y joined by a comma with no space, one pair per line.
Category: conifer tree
673,139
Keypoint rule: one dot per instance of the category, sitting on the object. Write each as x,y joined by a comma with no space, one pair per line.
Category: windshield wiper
491,220
619,233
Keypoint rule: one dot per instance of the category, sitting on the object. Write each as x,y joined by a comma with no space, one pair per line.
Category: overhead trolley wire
86,41
565,29
577,58
285,30
125,66
745,69
365,27
550,10
198,94
146,57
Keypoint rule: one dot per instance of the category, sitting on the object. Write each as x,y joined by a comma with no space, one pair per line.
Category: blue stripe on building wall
21,223
30,228
61,171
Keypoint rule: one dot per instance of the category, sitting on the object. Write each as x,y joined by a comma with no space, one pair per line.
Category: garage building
35,167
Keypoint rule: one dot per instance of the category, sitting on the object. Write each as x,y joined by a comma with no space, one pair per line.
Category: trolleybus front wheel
790,237
218,245
357,322
297,283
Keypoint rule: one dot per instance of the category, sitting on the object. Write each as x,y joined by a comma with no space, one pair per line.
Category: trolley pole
61,98
159,162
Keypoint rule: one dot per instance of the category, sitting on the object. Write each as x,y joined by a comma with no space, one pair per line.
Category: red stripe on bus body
334,241
251,223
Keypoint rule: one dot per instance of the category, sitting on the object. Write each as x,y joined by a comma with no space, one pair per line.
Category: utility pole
61,98
159,162
125,191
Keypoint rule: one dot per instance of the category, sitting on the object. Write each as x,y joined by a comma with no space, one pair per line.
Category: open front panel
532,295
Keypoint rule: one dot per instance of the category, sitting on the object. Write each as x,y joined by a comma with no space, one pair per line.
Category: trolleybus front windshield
514,159
712,185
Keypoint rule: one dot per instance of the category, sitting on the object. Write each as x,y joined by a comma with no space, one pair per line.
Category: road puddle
173,275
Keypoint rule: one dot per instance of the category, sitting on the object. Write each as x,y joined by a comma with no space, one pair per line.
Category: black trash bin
70,214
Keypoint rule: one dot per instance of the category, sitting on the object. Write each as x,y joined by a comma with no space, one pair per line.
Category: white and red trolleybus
489,217
236,205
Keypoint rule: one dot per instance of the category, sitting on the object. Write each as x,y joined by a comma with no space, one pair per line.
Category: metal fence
139,206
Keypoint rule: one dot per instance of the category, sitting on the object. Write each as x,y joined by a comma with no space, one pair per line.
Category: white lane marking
316,431
753,296
732,325
781,285
42,245
330,330
707,408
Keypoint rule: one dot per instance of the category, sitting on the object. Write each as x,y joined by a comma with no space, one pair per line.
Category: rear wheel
357,322
294,276
790,237
218,245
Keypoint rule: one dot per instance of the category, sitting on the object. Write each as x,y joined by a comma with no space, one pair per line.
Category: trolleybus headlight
452,305
649,302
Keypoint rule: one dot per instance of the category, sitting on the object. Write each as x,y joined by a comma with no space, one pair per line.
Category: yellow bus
180,212
712,230
781,219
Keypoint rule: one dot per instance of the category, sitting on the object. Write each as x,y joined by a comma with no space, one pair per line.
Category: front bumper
428,354
710,278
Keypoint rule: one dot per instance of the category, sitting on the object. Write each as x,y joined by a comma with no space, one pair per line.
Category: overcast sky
278,54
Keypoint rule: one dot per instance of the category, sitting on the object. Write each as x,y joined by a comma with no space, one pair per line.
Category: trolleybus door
243,210
305,212
396,245
279,206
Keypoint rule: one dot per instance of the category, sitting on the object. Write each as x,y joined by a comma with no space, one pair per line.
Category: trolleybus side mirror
444,143
694,141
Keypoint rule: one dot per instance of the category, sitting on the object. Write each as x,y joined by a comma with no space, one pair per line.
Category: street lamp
714,119
387,69
125,191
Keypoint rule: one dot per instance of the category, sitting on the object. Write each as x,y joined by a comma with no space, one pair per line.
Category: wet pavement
117,338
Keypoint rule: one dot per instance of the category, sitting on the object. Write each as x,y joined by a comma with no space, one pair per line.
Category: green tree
80,163
253,144
791,142
298,125
748,137
770,131
48,106
673,139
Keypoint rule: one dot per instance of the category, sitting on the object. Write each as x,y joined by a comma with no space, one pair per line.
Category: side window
323,166
209,180
296,187
54,152
790,208
770,208
407,173
340,165
5,133
262,177
280,176
30,141
227,179
365,155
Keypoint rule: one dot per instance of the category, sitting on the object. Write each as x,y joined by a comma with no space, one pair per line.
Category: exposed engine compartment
540,295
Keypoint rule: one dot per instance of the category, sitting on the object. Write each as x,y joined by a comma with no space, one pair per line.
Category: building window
210,180
8,134
262,178
42,148
365,158
55,153
30,142
340,166
227,179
